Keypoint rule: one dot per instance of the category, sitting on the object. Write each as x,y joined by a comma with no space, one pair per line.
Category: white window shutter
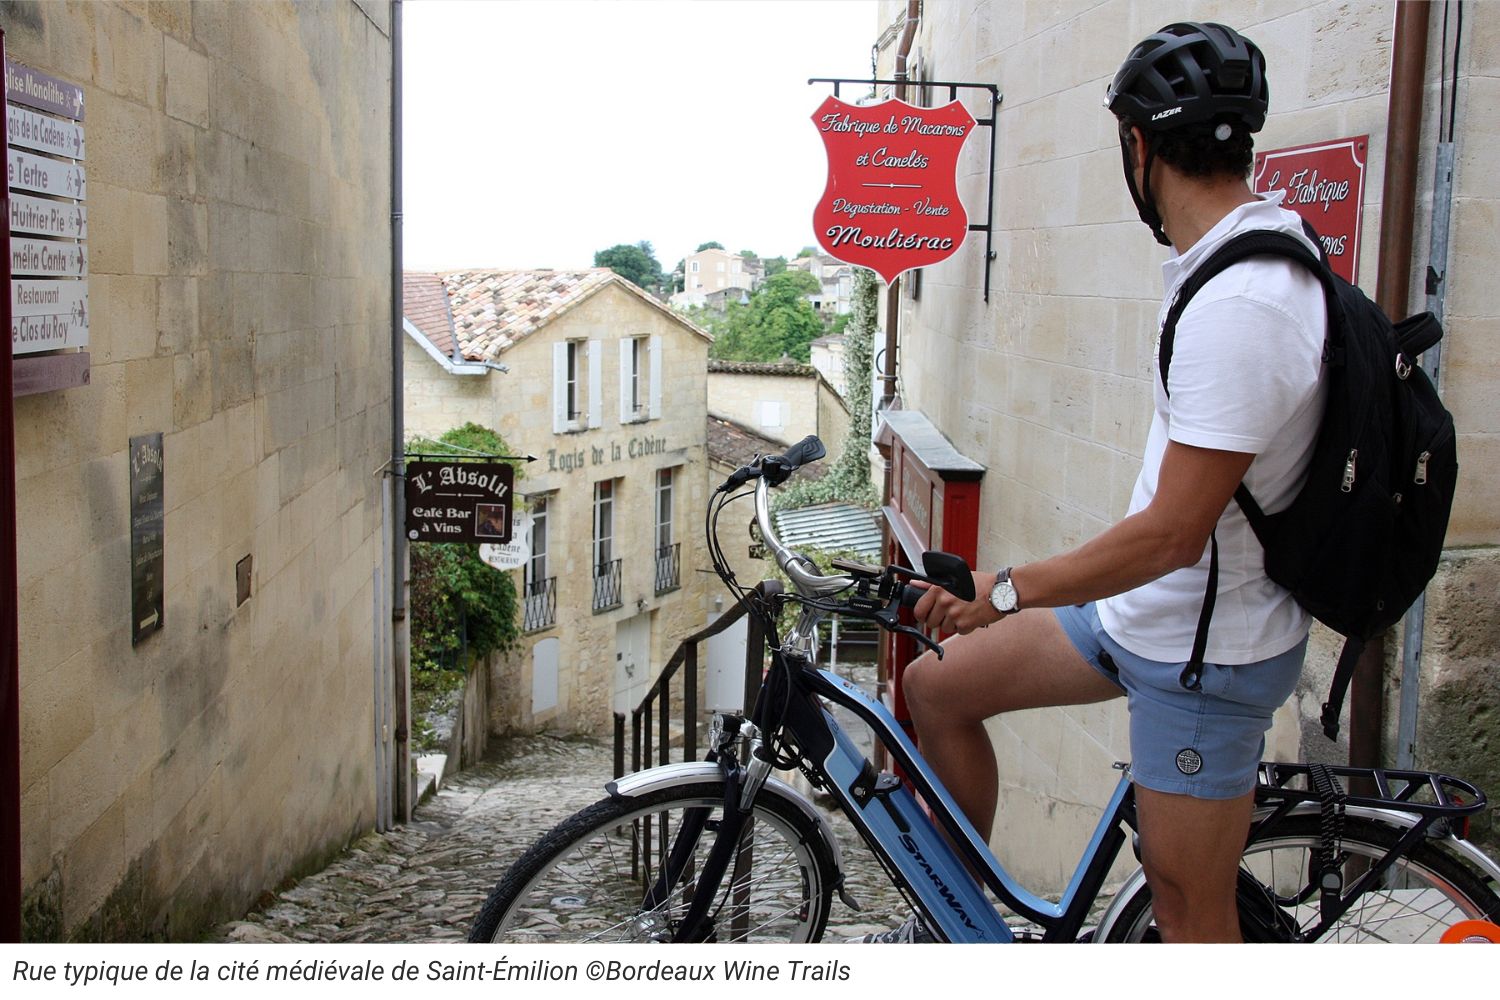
559,387
654,353
626,414
596,386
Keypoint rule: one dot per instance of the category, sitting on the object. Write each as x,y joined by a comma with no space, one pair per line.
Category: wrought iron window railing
540,609
668,567
607,585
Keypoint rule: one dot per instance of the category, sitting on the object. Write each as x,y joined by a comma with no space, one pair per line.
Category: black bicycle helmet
1191,74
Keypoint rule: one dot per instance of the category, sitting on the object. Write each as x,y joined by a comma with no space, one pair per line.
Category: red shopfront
934,504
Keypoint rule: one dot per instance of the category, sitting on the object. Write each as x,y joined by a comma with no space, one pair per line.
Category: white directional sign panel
44,175
67,220
30,256
47,315
49,262
43,133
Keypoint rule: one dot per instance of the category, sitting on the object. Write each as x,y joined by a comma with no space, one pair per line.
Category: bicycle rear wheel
588,879
1422,895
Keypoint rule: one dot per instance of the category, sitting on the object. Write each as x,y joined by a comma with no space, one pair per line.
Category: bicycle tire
575,884
1426,891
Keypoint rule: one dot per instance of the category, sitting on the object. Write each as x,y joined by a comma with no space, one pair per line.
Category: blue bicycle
723,850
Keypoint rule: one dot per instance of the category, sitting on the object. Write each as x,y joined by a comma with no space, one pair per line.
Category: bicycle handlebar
939,568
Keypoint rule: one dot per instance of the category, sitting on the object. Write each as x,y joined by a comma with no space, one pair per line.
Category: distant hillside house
607,387
836,278
714,270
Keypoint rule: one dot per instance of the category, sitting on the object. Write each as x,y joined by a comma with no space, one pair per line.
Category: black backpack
1363,536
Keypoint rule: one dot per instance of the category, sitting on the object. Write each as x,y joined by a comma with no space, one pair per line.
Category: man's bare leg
1023,661
1191,850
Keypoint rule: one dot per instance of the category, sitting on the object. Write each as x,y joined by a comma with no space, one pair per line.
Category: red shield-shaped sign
1325,184
891,203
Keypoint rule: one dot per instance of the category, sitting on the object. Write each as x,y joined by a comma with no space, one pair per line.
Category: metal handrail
539,605
686,655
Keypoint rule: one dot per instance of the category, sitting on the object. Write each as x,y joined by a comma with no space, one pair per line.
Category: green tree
778,321
774,265
635,263
711,245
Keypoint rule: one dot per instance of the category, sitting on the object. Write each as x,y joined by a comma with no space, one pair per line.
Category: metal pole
10,655
690,704
1393,285
400,636
1416,617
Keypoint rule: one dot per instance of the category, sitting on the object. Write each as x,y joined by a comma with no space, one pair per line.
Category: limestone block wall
567,469
782,407
1048,383
436,401
238,179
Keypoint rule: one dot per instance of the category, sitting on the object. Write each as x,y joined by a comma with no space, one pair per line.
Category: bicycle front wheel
1423,894
604,875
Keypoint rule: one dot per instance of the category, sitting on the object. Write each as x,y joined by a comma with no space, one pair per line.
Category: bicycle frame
892,820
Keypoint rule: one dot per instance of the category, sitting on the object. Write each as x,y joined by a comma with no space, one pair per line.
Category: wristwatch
1003,595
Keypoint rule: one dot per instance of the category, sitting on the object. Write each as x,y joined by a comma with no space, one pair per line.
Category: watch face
1003,596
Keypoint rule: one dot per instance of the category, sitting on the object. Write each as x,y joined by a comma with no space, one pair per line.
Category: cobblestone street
426,881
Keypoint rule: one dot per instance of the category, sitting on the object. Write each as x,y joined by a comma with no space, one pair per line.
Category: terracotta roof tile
785,367
735,444
425,304
492,310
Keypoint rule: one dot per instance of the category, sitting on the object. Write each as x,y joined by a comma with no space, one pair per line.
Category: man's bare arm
1194,486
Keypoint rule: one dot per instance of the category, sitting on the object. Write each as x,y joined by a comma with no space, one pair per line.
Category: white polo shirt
1246,376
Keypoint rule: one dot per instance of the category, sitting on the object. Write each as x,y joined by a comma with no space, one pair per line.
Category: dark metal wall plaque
147,539
459,501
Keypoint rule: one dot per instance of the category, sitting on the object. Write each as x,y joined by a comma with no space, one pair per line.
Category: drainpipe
400,658
10,656
893,291
1392,289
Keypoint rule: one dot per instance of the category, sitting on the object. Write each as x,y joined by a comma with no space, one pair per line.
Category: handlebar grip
910,595
809,449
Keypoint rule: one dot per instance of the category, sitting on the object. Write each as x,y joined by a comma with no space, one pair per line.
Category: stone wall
783,406
1049,383
238,179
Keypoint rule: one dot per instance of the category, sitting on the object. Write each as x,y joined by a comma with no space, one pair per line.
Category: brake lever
921,637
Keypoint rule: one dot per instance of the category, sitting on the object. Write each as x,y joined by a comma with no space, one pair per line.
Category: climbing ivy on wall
848,481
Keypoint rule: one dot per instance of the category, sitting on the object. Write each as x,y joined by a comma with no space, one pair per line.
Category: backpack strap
1258,243
1343,673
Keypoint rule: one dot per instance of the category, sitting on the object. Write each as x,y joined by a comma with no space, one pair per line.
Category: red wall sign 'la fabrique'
1325,184
891,203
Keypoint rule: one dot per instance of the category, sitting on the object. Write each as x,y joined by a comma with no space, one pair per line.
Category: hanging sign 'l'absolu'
891,202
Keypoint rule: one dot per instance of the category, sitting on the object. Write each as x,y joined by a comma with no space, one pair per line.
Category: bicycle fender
693,772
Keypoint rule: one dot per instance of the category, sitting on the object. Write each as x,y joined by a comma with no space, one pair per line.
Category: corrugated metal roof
831,527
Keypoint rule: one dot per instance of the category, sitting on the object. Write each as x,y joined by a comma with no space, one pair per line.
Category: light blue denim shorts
1203,743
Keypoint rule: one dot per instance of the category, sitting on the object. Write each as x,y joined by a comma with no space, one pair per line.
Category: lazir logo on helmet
1166,114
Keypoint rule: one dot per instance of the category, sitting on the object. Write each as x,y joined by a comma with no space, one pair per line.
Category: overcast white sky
539,132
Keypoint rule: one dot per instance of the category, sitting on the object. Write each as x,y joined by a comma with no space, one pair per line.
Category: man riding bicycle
1118,614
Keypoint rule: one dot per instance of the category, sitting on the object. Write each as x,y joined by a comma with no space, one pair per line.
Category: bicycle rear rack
1425,793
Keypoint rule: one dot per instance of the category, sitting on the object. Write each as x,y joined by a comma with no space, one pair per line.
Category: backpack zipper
1422,467
1348,485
